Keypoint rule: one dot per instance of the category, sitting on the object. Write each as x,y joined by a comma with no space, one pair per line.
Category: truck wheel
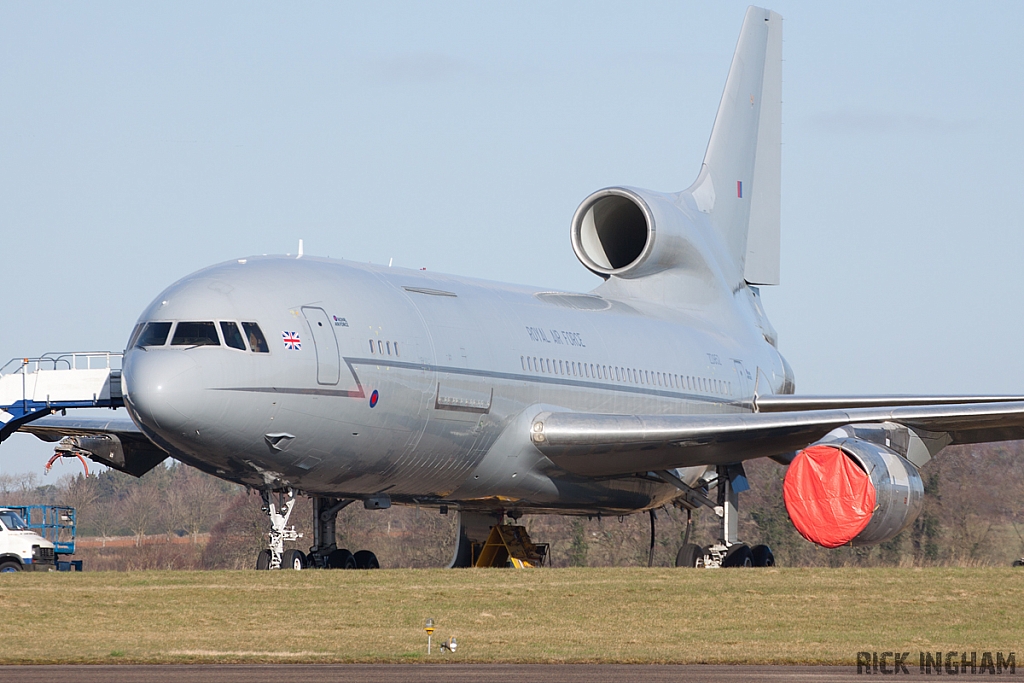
341,559
9,567
738,556
263,560
293,559
366,560
688,555
762,556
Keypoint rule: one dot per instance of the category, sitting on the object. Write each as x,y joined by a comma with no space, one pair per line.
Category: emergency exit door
328,360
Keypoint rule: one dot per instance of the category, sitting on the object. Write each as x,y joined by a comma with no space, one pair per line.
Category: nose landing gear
280,531
324,554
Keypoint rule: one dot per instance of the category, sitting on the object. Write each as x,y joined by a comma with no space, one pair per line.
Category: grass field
791,616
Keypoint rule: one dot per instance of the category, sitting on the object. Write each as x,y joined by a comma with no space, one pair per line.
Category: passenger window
380,347
371,346
232,337
522,361
388,345
154,334
396,350
195,334
257,342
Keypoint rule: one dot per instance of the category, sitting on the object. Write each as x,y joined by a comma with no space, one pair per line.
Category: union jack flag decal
291,341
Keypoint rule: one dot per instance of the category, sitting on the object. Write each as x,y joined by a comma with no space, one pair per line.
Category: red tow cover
829,498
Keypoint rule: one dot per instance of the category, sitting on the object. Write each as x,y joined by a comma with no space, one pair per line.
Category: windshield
195,334
153,334
12,520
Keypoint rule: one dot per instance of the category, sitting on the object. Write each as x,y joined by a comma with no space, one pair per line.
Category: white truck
21,548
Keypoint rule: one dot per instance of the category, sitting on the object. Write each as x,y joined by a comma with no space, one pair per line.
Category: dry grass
792,616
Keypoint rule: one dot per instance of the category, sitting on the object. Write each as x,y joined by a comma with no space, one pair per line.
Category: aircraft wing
608,445
53,428
117,442
787,402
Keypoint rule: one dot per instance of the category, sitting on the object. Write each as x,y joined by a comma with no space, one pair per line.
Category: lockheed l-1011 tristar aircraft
352,382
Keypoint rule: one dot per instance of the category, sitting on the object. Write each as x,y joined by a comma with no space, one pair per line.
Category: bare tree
139,511
194,501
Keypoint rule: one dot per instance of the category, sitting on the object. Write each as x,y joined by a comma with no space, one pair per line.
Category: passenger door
328,360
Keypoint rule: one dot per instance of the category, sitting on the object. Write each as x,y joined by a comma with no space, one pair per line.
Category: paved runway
424,673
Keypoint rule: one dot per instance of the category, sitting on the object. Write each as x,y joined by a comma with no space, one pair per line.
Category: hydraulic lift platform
32,388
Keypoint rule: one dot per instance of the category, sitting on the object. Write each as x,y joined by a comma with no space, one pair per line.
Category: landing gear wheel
263,560
341,559
366,560
1019,563
9,567
762,556
688,555
738,556
293,559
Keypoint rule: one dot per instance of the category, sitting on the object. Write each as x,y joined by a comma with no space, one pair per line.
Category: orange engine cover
829,498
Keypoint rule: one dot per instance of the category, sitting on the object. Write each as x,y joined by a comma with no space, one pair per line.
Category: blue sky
140,142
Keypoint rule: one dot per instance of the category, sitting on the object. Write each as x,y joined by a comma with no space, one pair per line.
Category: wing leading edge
608,445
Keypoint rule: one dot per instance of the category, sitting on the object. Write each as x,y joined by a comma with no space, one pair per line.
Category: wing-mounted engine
847,490
631,233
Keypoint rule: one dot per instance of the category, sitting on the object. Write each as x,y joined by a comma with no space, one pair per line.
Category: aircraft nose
159,386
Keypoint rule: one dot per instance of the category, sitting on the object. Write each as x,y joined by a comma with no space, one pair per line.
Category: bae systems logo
950,663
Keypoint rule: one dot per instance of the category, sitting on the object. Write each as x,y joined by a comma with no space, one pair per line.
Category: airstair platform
31,388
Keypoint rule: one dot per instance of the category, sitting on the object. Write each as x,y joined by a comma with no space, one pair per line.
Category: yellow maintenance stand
510,546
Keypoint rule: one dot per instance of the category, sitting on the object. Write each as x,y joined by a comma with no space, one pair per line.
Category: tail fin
739,184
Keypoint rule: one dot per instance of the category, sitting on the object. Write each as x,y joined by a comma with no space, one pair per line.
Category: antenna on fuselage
300,249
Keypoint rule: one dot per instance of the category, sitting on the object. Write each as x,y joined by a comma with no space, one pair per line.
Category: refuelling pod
851,491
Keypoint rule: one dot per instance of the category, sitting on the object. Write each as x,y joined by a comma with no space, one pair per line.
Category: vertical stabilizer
739,185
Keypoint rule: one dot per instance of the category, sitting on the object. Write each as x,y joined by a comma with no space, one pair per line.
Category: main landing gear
728,551
324,554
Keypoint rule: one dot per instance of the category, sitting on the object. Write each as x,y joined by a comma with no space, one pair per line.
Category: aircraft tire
1019,563
762,556
341,559
366,560
9,567
739,556
263,560
293,559
688,555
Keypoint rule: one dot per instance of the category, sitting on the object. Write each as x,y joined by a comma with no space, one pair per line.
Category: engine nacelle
850,491
629,233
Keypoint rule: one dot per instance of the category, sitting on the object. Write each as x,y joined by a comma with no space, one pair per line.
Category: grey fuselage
422,386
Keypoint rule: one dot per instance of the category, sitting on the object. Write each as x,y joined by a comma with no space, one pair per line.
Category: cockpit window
135,335
195,334
232,337
154,334
12,521
257,342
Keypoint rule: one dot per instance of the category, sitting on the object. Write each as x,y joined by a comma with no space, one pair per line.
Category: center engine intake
851,491
629,233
